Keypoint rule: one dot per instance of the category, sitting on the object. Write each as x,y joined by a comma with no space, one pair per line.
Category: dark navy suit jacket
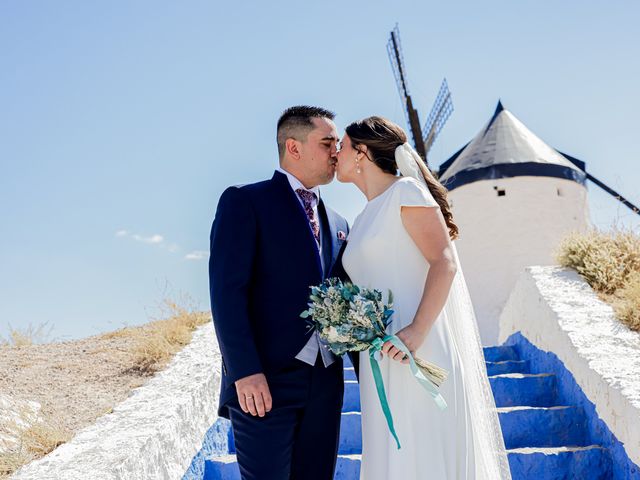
263,260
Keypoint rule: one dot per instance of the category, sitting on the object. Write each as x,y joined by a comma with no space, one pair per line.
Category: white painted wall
500,235
557,311
154,433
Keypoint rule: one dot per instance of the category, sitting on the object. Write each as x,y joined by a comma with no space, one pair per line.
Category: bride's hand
412,336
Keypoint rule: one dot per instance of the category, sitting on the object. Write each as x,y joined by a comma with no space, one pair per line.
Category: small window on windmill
560,194
500,191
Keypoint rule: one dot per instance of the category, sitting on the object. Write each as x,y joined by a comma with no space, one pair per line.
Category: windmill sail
440,113
394,49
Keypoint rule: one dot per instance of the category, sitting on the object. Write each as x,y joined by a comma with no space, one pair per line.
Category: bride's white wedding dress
464,440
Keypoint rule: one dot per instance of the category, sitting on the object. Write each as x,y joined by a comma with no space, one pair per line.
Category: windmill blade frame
440,113
394,49
614,194
396,58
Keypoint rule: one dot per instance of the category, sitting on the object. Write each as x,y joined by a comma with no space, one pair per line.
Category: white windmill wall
500,235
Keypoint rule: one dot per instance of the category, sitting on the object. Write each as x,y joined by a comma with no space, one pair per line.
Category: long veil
488,443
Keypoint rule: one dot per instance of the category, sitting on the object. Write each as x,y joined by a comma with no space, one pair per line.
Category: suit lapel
331,245
296,213
328,231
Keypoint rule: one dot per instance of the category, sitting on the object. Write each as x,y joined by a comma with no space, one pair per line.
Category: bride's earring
358,169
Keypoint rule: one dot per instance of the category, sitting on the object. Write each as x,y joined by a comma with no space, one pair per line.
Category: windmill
514,198
423,138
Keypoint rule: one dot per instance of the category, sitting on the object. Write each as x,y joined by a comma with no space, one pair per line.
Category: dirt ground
75,381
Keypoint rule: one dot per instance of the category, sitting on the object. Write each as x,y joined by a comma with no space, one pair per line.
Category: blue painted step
223,467
350,433
543,427
351,398
349,373
226,468
530,389
565,463
347,467
508,366
500,353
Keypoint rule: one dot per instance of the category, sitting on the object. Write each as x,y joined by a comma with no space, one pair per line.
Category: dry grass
69,379
610,263
627,302
27,336
160,339
42,435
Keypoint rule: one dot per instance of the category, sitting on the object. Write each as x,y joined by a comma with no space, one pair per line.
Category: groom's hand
254,395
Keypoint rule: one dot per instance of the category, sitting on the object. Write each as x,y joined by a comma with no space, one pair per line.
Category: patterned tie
307,198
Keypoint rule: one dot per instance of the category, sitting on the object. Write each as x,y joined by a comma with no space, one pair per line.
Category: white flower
331,334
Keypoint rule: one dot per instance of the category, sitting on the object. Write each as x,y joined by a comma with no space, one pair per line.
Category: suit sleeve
233,246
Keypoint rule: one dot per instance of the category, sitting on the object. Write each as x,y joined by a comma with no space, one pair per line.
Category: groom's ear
292,147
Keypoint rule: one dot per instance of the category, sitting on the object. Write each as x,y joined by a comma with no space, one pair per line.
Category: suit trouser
298,439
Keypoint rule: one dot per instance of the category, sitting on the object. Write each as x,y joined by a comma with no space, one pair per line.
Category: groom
270,241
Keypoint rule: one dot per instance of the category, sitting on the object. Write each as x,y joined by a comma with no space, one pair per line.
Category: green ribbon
427,384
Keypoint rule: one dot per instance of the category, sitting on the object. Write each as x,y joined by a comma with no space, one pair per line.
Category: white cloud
155,239
152,239
197,255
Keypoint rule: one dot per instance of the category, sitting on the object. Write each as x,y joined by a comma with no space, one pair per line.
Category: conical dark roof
505,147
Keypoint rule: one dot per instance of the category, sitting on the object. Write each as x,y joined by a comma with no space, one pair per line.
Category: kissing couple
281,387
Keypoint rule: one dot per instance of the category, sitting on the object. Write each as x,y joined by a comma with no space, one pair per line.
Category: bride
400,243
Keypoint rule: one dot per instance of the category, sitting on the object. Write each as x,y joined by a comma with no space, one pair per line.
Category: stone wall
155,433
554,311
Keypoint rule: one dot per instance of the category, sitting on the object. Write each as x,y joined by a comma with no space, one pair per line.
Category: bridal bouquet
353,319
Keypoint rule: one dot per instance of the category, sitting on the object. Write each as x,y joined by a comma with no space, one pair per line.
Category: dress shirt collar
296,184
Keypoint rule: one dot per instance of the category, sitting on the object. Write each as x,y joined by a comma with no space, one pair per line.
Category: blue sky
133,117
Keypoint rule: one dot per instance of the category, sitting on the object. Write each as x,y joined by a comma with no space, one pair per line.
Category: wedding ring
249,396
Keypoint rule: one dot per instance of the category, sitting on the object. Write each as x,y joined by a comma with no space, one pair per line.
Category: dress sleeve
414,194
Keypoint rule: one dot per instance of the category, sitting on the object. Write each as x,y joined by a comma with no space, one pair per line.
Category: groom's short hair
295,122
